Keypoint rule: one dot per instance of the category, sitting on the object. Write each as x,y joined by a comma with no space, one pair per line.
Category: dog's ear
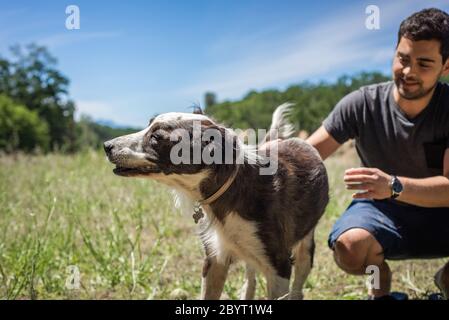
197,110
151,120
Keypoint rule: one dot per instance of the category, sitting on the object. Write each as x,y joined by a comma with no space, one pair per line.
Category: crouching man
401,131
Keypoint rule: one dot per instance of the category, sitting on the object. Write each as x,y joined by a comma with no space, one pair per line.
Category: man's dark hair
427,24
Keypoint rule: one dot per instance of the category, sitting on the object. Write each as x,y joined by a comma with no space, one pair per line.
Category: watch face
397,186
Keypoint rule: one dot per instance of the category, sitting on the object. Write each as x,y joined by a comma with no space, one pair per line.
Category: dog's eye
155,137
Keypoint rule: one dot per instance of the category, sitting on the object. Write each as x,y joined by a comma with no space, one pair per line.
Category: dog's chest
240,238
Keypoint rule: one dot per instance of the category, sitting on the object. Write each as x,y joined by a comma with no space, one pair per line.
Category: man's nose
108,146
406,71
409,70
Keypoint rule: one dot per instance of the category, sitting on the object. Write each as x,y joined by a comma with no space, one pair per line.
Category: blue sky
131,60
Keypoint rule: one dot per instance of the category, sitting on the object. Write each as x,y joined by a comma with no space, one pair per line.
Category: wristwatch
396,187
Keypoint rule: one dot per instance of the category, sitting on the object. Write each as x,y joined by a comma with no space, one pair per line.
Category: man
401,132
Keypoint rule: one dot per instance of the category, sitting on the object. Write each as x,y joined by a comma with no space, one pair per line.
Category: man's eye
424,66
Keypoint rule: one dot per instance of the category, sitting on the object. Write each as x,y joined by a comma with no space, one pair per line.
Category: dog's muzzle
123,169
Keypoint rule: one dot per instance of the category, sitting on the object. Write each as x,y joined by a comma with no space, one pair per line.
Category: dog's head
173,145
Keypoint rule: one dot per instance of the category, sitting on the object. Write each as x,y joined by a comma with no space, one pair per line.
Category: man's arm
323,142
427,192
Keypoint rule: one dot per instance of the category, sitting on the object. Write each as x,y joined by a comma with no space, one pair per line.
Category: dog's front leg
249,288
278,287
215,271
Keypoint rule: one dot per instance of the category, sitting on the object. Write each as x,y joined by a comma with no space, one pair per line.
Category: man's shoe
394,296
436,296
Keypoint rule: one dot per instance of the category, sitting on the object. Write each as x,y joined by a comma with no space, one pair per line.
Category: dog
266,220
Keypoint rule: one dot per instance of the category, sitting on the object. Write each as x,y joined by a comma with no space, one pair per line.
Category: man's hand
374,182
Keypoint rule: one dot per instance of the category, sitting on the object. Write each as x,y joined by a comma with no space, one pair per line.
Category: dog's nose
108,146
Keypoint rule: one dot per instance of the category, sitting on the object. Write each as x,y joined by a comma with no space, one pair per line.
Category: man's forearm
427,192
373,183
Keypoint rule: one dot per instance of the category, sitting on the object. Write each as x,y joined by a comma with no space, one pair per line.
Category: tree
32,80
21,128
210,99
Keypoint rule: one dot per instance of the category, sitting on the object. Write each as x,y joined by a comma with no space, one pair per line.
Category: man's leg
355,249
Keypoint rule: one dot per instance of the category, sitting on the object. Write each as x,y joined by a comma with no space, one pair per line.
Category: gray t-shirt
385,138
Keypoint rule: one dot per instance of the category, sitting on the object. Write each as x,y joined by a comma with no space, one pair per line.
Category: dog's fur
267,221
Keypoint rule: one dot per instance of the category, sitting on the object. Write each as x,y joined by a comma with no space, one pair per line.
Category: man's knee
355,249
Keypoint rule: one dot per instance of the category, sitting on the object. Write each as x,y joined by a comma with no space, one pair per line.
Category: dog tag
198,213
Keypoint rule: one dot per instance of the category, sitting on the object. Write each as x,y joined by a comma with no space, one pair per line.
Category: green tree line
312,102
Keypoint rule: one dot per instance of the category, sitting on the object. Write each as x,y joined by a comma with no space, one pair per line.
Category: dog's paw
292,296
284,297
179,294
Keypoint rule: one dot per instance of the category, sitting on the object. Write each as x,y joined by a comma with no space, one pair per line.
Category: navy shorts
404,231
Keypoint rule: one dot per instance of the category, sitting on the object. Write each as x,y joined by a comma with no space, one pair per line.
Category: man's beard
418,93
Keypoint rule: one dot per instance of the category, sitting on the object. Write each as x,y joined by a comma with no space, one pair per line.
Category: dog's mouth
128,172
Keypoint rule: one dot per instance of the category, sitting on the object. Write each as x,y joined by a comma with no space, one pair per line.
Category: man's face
417,66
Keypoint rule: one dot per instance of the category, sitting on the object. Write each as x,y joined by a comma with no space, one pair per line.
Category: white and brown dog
266,220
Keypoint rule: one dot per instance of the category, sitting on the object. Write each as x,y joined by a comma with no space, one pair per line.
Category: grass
63,213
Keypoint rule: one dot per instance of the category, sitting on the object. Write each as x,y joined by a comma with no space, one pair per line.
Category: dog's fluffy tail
280,127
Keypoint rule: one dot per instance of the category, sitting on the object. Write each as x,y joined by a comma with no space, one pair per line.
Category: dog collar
198,211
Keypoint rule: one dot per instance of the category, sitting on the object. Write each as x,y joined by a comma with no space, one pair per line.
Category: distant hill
110,124
92,133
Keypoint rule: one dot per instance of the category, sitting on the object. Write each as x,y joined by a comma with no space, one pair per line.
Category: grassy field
128,241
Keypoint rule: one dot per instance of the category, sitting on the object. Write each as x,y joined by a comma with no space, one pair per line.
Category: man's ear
445,71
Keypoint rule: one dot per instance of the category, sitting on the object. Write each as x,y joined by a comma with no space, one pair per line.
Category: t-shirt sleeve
342,122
